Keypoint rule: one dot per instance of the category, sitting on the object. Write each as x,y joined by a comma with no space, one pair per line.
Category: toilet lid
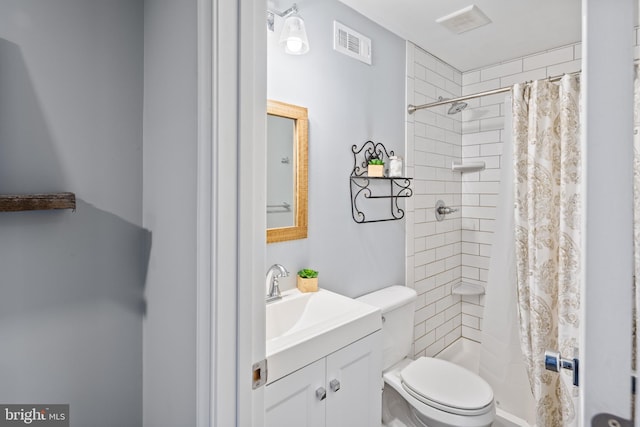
447,384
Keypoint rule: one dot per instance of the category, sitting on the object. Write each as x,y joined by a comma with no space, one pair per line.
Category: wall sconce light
293,37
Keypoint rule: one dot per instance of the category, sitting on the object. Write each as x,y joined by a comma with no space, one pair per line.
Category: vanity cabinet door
355,398
292,402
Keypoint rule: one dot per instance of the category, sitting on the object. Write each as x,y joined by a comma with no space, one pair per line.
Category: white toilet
437,393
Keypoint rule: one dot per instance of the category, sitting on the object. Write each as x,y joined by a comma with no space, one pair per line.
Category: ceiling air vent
463,20
351,43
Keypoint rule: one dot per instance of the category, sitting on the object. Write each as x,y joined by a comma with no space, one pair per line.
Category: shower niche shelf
467,167
466,288
37,202
369,193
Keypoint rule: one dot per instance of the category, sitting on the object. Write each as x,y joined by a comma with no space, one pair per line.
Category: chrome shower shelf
365,189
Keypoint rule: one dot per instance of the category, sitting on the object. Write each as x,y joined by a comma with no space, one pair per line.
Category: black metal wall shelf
364,187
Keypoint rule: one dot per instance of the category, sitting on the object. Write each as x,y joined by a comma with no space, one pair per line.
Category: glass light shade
294,36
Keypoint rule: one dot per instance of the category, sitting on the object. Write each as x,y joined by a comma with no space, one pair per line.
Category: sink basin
286,315
304,327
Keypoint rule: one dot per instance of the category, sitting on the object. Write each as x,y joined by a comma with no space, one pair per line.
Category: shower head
456,107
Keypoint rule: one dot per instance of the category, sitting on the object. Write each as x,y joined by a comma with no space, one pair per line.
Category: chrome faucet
275,271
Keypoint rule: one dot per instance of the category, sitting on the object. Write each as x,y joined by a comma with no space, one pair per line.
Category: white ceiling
518,27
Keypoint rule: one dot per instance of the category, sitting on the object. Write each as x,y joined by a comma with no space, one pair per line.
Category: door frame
230,214
252,202
607,58
205,372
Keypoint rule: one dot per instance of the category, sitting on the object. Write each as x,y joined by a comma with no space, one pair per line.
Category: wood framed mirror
287,176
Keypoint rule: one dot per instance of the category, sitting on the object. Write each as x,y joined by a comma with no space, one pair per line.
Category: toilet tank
397,304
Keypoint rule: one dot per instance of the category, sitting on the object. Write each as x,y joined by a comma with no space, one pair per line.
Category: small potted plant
375,167
307,280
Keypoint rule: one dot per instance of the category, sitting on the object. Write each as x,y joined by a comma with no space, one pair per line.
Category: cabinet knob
334,385
321,393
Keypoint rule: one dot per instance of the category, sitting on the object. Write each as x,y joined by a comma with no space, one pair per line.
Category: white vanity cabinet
291,401
342,389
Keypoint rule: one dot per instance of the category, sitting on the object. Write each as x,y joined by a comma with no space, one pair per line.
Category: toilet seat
447,387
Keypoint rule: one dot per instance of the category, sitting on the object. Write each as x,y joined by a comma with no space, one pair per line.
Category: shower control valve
445,210
441,210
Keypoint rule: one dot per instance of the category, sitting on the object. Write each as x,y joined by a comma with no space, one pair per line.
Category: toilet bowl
442,394
438,393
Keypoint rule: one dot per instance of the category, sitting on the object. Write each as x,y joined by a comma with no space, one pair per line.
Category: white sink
286,315
304,327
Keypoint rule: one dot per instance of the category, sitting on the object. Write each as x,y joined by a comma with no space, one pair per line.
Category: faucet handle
275,285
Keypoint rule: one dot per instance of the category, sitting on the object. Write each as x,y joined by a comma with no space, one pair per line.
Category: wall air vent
351,43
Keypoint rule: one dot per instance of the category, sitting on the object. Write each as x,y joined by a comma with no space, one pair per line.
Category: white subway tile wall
434,249
440,254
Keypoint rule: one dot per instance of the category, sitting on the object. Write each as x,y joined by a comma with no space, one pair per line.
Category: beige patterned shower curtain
547,166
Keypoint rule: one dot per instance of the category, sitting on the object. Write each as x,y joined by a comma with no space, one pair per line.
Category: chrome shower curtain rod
413,108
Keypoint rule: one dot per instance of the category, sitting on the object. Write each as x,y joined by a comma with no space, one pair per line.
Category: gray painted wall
169,212
349,103
71,283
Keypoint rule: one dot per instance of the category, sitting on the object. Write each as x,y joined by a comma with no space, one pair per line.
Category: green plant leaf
307,273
